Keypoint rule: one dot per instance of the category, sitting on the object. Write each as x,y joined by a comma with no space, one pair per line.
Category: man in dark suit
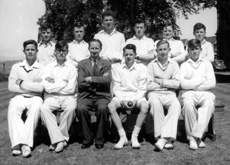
94,77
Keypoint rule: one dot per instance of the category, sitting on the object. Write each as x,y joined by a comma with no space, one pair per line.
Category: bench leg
211,131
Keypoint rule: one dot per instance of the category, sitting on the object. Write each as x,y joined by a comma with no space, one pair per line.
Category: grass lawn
217,152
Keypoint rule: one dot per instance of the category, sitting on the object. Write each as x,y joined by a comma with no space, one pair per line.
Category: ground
215,152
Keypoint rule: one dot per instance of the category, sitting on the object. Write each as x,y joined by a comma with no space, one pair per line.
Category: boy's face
94,49
168,32
139,30
162,52
61,53
79,33
108,23
129,56
194,53
30,52
46,35
200,34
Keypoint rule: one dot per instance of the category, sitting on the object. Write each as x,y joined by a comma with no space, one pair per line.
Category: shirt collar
171,39
81,42
92,60
143,38
113,32
25,64
63,65
198,61
203,42
132,67
169,60
46,44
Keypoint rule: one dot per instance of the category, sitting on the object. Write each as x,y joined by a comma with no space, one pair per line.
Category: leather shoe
84,146
99,146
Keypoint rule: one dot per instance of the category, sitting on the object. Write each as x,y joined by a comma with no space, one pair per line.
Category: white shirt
112,44
65,77
197,75
129,83
207,52
45,53
143,45
177,50
30,76
77,52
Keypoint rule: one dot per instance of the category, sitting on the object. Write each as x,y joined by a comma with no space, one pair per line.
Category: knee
112,108
102,109
81,109
188,102
144,108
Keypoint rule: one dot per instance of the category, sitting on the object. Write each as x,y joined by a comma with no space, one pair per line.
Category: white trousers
165,126
68,105
196,120
20,132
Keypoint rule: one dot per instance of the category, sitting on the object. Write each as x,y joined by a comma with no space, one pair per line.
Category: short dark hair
139,21
166,24
79,24
27,42
61,44
161,42
132,47
198,26
95,40
194,43
45,27
108,13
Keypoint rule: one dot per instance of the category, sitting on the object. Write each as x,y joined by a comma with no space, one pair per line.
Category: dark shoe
84,146
99,146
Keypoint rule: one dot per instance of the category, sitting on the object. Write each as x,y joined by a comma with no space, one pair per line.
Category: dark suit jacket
100,85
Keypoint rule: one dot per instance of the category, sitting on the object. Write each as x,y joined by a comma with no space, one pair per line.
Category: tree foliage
62,14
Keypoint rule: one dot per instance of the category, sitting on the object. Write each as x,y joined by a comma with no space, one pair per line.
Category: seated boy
129,90
163,78
197,78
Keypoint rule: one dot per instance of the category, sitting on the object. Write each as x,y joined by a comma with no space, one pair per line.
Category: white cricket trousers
20,132
165,126
68,105
198,107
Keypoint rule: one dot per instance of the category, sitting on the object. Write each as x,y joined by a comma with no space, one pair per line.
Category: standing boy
145,46
46,46
112,40
78,48
207,52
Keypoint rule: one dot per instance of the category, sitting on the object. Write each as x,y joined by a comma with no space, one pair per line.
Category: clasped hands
126,102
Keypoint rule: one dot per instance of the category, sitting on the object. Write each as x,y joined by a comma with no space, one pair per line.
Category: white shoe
135,143
60,147
160,144
52,147
201,144
122,142
16,152
193,144
169,145
26,151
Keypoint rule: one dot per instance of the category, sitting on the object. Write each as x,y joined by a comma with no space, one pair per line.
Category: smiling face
199,34
46,35
162,52
129,56
94,49
194,53
139,30
30,52
78,33
108,23
168,32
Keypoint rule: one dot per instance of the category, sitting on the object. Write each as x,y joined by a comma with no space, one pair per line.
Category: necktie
95,68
